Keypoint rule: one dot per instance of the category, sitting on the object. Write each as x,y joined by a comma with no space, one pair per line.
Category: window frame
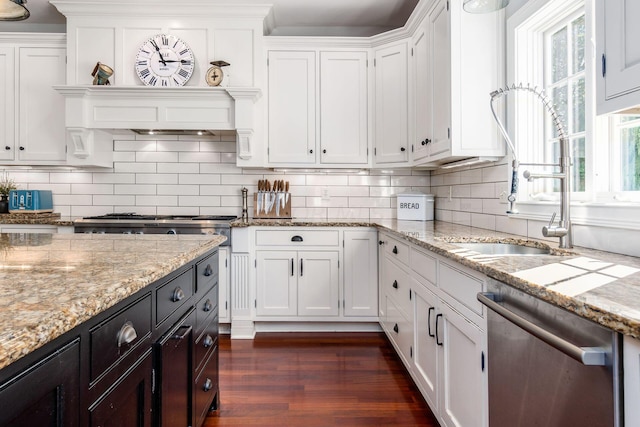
597,205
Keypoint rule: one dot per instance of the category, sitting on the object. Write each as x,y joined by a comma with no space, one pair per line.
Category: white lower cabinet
631,368
306,274
297,283
429,316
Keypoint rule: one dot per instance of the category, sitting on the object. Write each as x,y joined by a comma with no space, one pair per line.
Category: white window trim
529,24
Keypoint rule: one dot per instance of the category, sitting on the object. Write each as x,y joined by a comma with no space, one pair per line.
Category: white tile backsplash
167,175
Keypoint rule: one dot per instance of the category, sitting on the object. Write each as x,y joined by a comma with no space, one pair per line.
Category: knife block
273,213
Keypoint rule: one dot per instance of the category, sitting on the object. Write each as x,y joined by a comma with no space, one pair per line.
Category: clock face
164,60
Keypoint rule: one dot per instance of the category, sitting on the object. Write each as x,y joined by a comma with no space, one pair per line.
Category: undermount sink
503,249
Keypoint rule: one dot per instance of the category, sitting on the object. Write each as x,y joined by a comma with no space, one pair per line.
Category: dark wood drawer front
206,388
172,295
206,342
120,335
206,308
206,274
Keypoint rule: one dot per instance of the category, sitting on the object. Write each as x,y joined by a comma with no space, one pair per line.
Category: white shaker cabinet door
425,359
360,273
391,104
618,54
276,283
463,383
42,133
292,107
343,108
318,283
7,103
422,96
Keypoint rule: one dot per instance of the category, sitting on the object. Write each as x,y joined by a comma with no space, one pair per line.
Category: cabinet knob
178,294
395,328
427,141
403,149
207,342
208,271
395,284
208,385
381,242
21,148
395,250
207,305
127,334
324,151
6,147
310,151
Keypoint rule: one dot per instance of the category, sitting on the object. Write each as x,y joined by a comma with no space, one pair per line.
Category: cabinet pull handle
437,335
292,266
395,250
395,284
207,342
208,271
127,334
181,333
395,328
297,239
178,294
429,322
207,305
208,385
301,267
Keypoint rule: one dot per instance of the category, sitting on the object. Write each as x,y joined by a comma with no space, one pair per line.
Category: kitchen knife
259,197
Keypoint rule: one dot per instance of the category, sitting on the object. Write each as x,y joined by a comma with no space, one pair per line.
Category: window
547,48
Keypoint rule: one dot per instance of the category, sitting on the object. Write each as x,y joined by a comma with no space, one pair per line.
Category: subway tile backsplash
199,177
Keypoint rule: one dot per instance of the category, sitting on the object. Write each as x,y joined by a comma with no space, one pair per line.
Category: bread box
415,207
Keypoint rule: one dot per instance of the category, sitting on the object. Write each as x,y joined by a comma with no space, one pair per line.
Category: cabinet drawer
297,237
206,341
206,274
205,308
424,265
398,286
462,287
172,295
206,388
395,249
120,335
400,331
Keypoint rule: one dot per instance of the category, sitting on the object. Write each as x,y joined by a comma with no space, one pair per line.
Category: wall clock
164,60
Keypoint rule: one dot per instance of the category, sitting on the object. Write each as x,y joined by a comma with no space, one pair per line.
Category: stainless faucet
563,229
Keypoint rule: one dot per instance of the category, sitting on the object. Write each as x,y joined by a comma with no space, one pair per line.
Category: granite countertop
601,286
51,283
45,218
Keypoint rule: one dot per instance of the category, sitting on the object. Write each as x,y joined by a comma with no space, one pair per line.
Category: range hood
181,109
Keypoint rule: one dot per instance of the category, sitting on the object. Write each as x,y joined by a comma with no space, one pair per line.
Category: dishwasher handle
592,356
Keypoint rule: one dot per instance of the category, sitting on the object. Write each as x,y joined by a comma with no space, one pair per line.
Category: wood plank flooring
316,380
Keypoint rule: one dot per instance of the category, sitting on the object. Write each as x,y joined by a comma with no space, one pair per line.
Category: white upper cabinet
343,108
391,105
318,108
292,107
41,125
456,64
617,55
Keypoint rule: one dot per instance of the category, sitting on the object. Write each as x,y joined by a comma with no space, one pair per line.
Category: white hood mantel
106,108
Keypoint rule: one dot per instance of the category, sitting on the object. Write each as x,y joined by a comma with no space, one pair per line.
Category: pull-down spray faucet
563,229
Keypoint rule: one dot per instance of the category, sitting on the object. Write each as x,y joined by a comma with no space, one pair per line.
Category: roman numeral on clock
145,73
183,73
165,41
183,51
142,62
153,80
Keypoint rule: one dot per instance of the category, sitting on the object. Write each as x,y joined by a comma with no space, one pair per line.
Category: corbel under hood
109,108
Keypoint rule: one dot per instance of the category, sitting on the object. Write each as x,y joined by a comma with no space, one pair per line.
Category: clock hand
182,61
155,45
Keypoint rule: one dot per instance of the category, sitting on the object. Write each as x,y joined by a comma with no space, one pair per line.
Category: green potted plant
6,185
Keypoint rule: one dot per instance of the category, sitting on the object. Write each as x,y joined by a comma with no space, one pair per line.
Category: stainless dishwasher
548,367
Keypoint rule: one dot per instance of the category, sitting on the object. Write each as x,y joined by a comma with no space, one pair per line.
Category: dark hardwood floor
316,380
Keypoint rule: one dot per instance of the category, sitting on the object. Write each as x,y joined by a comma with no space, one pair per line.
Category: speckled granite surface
601,286
52,218
51,283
